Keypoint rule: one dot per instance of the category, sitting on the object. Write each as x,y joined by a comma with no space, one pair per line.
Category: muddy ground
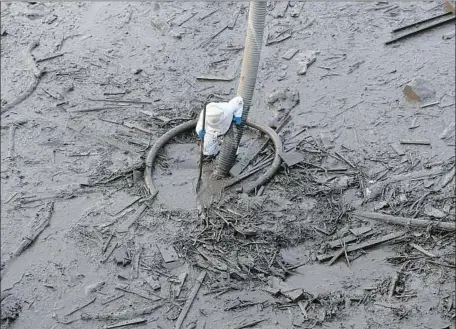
111,254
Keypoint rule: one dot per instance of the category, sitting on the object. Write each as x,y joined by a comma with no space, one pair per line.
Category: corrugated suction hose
252,52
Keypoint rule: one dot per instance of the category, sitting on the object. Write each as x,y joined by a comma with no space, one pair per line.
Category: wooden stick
80,307
422,250
415,222
28,240
126,323
190,299
336,256
365,245
416,142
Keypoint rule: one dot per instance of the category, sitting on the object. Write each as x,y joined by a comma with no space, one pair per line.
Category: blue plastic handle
238,120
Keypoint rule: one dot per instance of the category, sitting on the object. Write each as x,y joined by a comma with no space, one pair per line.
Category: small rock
94,287
448,36
305,59
121,256
136,71
419,90
433,212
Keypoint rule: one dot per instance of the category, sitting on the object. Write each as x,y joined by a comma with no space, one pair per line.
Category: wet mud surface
84,246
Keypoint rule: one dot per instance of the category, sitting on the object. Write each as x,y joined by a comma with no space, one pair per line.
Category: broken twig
415,222
190,299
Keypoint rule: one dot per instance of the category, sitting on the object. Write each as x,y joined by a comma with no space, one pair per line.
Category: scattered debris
123,315
125,288
422,26
290,53
364,245
336,256
191,297
340,242
361,230
124,226
422,250
81,306
376,189
397,149
282,36
248,324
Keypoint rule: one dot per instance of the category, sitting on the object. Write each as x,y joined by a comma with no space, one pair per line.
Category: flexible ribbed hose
252,51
